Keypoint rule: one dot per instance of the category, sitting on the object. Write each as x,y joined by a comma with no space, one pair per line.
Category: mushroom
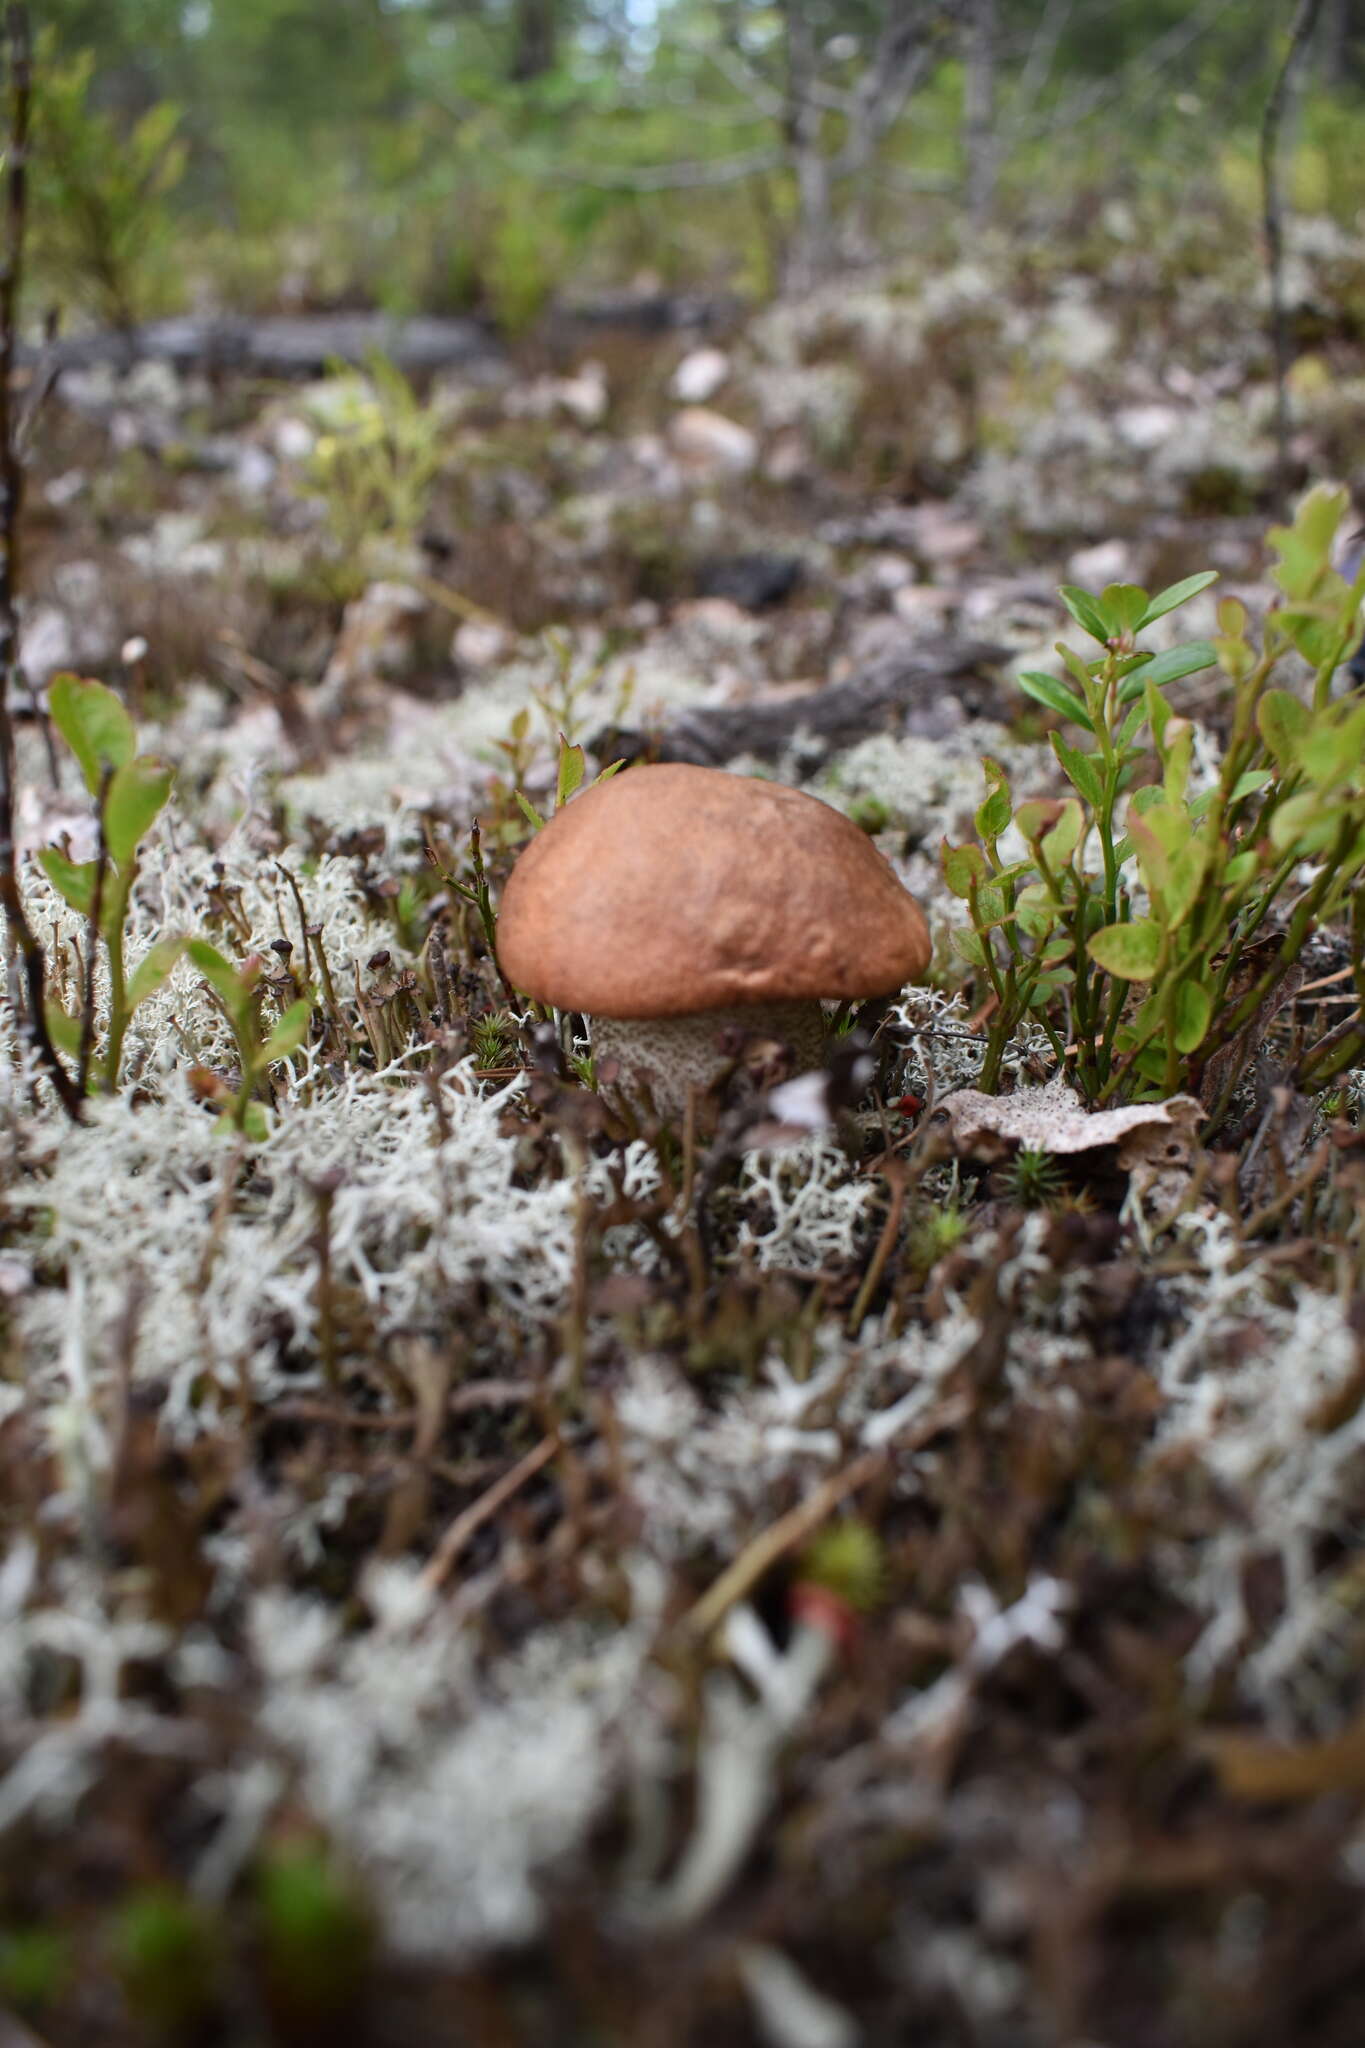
669,902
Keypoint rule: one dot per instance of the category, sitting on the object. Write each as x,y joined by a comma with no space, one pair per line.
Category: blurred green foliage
316,1936
1152,951
103,188
482,154
35,1966
167,1953
376,457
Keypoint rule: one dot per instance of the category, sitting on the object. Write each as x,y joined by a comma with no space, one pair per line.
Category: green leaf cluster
1145,949
377,455
130,790
102,218
259,1043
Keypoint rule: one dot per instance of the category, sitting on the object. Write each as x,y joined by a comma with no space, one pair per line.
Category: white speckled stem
672,1054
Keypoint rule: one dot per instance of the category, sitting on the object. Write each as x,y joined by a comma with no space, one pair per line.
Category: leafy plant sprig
1144,998
377,456
560,704
259,1044
476,891
130,791
102,214
572,768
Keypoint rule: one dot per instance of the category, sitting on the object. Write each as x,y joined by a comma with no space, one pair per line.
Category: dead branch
22,938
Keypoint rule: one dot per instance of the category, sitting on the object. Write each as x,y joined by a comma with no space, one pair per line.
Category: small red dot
910,1105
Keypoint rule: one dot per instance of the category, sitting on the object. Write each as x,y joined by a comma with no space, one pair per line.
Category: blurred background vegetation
484,155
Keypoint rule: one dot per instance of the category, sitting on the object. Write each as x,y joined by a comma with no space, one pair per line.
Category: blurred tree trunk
866,113
534,39
810,249
1342,43
979,112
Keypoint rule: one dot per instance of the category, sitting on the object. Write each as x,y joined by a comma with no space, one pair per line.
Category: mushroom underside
672,1054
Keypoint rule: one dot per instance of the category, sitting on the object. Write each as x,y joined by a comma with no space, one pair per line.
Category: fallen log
281,345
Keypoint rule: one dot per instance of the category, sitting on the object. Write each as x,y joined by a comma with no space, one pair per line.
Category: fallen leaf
1054,1119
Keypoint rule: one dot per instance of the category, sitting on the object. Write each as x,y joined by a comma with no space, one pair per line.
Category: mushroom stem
671,1054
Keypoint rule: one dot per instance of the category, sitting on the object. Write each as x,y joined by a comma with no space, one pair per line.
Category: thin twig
876,1265
472,1518
772,1543
20,931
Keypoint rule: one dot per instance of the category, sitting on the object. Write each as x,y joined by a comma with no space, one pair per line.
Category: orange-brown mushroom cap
670,889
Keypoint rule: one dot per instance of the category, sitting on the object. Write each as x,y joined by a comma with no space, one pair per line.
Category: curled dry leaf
1053,1119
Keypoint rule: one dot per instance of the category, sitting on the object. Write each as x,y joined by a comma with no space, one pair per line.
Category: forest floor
478,1567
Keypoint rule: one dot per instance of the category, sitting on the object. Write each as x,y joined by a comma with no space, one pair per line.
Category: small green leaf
1151,1064
1306,824
967,945
1170,667
1189,659
94,724
1314,630
1037,910
1082,771
1173,857
1052,823
529,811
1334,750
572,767
73,880
962,866
1037,816
1176,594
1131,951
990,907
1305,548
220,974
1049,985
290,1032
1083,673
1283,723
993,815
255,1123
152,969
1159,713
1177,756
1132,726
137,793
1057,697
1085,610
1193,1014
63,1029
1061,841
1125,606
